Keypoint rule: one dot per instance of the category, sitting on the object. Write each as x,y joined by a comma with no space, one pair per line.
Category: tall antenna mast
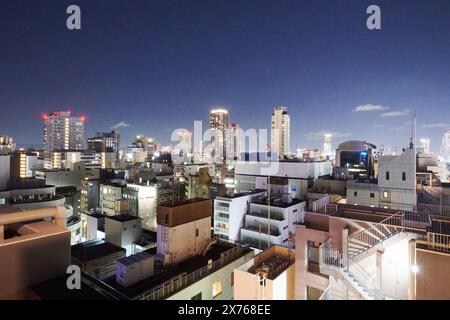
412,143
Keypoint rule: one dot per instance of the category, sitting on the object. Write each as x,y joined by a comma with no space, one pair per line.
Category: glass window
385,194
372,195
387,175
404,176
198,296
217,288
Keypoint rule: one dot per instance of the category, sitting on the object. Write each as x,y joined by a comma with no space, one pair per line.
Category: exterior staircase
363,241
345,266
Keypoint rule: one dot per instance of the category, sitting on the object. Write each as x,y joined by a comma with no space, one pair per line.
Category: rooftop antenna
412,142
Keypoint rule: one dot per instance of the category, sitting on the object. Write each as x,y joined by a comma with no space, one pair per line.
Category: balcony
262,229
265,214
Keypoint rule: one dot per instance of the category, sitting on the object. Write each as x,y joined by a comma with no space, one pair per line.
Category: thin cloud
396,113
120,125
378,125
370,107
399,128
319,135
435,125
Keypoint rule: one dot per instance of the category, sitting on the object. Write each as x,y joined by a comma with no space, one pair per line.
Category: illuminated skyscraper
281,132
445,147
234,141
328,152
63,131
219,123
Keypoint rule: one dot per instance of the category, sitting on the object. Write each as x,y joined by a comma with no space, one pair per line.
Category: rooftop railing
180,282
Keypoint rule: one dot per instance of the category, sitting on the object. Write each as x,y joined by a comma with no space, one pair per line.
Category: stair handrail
395,216
364,278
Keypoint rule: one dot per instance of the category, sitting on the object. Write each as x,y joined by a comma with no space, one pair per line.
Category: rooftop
169,204
56,289
123,217
242,194
277,202
94,249
185,267
271,262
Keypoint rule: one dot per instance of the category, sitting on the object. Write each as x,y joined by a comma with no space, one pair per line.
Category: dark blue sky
160,65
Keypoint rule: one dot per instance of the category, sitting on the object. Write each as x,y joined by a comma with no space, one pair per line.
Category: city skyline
169,66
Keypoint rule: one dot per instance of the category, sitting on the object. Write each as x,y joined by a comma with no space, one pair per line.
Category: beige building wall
40,253
433,276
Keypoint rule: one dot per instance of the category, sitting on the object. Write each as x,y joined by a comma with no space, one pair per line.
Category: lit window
217,288
385,194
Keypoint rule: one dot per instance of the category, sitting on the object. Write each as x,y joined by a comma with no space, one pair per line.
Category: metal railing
438,241
378,232
434,209
331,257
328,209
364,279
183,280
264,214
326,294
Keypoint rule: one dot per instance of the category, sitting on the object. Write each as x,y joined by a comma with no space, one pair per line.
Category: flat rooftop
277,202
123,217
169,204
94,249
187,266
242,194
56,289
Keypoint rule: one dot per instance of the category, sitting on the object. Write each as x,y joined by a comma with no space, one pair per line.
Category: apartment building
184,229
277,215
270,275
395,187
230,211
300,175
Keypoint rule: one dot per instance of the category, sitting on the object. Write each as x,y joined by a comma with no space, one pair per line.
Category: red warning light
44,116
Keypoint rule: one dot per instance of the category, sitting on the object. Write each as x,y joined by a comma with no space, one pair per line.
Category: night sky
160,65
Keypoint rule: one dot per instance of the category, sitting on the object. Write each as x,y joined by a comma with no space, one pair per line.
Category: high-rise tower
219,123
281,132
63,131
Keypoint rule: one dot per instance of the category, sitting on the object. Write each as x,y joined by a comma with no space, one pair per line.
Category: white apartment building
396,185
99,160
109,195
281,132
63,159
230,211
280,217
299,174
143,202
